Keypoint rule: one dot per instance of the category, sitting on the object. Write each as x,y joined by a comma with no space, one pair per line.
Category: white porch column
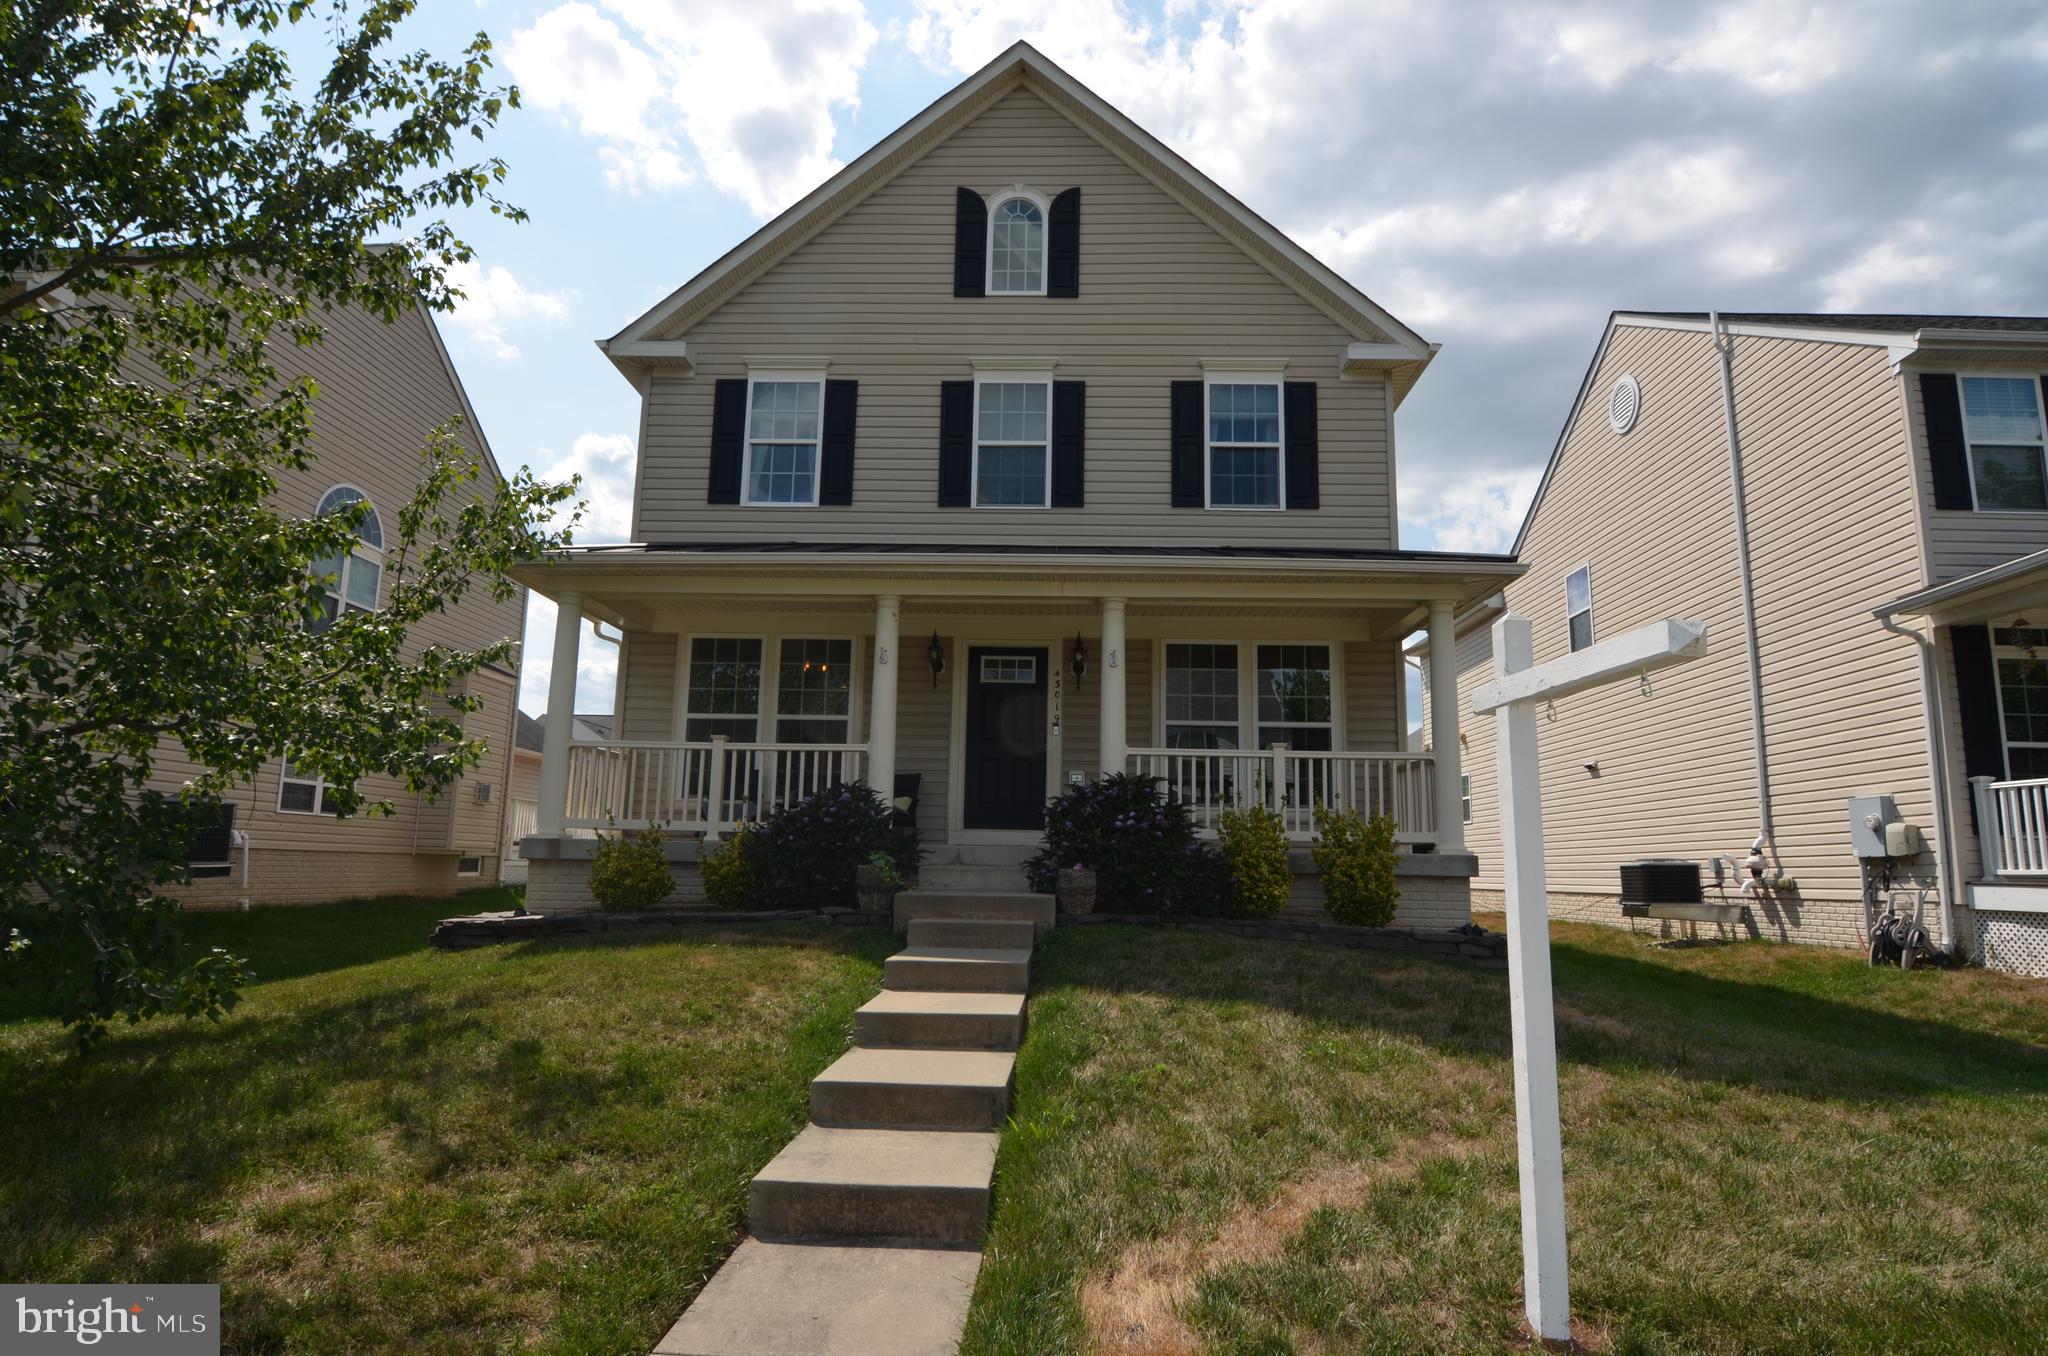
1115,736
561,718
882,715
1443,728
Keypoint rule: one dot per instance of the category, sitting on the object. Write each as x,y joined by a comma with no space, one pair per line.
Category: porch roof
1998,590
618,582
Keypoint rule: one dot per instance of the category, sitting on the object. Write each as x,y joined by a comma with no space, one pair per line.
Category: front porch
973,688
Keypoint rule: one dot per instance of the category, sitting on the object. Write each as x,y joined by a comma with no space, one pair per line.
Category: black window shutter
1063,246
956,444
1187,445
970,244
1069,443
1951,460
728,416
1977,696
835,474
1303,464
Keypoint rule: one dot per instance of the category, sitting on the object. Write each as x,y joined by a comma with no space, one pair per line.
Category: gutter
1724,345
1948,887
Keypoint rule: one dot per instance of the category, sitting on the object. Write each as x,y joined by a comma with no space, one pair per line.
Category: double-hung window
1012,444
300,792
1244,462
1016,248
2002,426
1296,697
1578,607
1201,706
350,579
724,689
2023,699
814,691
783,417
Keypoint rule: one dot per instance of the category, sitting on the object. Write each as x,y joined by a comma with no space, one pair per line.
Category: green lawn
540,1147
1246,1147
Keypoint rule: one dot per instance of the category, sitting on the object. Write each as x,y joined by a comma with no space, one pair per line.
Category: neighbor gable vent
1624,404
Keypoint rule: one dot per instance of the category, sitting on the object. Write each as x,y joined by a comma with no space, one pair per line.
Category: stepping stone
985,934
1037,909
914,1090
958,969
909,1019
926,1186
813,1299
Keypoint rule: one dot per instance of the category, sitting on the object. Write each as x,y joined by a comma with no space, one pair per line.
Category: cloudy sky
1499,175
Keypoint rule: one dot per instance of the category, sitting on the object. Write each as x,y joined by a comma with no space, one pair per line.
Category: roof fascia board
1867,338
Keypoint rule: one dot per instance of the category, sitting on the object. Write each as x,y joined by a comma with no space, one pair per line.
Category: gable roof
651,337
1872,324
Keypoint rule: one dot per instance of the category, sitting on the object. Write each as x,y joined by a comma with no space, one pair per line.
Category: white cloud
493,299
597,663
751,85
605,461
1466,512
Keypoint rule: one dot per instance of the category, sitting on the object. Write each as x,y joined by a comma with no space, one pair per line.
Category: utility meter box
1868,818
1903,840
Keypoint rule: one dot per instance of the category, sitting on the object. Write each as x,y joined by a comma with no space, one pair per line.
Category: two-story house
1894,494
383,388
1016,454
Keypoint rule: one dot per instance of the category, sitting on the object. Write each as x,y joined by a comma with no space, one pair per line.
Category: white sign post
1513,696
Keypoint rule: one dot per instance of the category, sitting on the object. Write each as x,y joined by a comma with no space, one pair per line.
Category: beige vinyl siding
651,669
1477,751
1160,292
1373,701
1960,542
1833,534
924,730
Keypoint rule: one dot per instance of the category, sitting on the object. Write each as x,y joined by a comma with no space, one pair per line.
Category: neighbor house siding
1161,291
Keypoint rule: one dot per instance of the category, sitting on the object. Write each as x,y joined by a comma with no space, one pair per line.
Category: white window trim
1969,448
476,870
1248,688
763,704
1022,377
1160,717
1336,721
771,683
988,260
373,554
1592,636
814,376
1210,381
319,785
2005,741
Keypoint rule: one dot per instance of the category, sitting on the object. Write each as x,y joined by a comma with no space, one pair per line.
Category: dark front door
1005,739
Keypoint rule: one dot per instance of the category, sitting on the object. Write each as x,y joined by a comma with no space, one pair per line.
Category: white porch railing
1209,781
2012,826
707,787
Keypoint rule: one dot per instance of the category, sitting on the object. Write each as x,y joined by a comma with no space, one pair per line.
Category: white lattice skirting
2015,942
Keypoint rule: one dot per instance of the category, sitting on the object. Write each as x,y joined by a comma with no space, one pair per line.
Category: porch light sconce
1079,663
936,653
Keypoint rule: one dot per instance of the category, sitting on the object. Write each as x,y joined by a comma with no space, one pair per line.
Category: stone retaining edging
1473,946
490,929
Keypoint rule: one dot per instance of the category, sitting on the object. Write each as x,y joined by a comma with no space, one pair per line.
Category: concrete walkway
864,1235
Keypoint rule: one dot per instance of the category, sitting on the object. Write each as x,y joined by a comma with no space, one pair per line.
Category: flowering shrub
1140,845
805,853
1356,859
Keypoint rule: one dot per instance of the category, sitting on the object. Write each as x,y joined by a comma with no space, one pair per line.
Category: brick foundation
1786,917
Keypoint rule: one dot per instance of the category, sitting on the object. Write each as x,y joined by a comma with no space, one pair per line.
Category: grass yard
1246,1147
385,1148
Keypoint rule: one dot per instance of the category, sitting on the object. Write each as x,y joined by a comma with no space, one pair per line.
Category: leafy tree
175,217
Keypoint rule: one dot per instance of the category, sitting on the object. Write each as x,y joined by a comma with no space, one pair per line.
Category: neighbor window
1201,697
724,689
782,440
1244,444
1016,248
2023,699
350,580
303,793
814,691
1465,796
1578,606
2002,423
469,866
1012,454
1295,697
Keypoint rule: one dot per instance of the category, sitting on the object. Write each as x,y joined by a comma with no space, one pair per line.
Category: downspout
1724,344
1946,885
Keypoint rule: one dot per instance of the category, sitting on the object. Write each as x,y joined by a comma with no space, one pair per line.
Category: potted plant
876,881
1076,889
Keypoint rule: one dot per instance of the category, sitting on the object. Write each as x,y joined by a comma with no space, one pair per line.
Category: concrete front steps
866,1230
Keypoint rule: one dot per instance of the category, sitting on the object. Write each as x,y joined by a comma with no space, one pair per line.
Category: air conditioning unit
1658,881
483,793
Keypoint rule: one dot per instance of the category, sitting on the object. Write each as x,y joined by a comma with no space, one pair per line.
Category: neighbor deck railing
1292,782
2012,826
707,787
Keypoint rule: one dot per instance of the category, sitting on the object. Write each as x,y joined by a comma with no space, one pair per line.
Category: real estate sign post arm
1519,686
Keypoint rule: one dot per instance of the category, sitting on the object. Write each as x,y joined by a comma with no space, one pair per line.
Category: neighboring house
1894,480
383,389
1015,454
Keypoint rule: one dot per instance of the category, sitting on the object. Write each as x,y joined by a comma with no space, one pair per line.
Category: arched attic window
352,579
1016,246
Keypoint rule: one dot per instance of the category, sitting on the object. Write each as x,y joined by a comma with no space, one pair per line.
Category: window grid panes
1009,668
782,442
2002,421
1295,697
814,691
1011,444
303,793
1201,697
1244,445
2023,703
1016,255
1578,607
350,580
725,689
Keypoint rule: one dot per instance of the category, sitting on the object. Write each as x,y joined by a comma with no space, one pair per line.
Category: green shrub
1139,843
732,873
631,871
1254,844
805,853
1356,860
